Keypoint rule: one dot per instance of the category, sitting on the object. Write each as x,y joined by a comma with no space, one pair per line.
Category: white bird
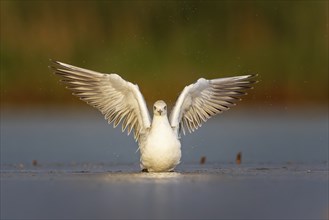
158,139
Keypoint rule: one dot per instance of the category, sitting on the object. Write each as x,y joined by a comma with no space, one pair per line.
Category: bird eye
154,108
165,108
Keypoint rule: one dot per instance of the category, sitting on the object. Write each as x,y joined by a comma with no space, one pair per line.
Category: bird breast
161,133
162,149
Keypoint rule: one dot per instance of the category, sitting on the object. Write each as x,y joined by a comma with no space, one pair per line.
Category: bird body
161,149
122,102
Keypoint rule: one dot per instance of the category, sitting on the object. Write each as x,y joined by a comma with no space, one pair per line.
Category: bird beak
160,111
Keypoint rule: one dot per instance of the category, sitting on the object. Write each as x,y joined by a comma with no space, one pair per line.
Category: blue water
87,170
72,136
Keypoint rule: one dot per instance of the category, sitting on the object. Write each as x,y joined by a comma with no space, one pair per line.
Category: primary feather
206,98
117,99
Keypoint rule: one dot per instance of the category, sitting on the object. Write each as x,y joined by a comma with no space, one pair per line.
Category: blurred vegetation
164,45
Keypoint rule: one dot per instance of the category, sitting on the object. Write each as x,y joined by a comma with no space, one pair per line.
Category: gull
158,139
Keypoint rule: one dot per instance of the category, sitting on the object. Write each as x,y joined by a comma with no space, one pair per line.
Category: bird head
160,108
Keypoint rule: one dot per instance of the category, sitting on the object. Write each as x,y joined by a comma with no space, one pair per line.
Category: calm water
238,193
87,170
68,137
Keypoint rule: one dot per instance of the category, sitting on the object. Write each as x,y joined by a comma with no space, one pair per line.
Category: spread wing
205,98
117,99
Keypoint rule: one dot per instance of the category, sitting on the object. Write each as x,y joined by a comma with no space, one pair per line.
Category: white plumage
158,140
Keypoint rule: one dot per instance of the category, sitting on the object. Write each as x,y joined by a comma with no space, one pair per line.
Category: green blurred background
164,45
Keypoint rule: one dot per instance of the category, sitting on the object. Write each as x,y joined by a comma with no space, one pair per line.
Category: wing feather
118,100
200,101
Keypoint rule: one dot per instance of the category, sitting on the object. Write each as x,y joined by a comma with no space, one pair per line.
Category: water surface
69,165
